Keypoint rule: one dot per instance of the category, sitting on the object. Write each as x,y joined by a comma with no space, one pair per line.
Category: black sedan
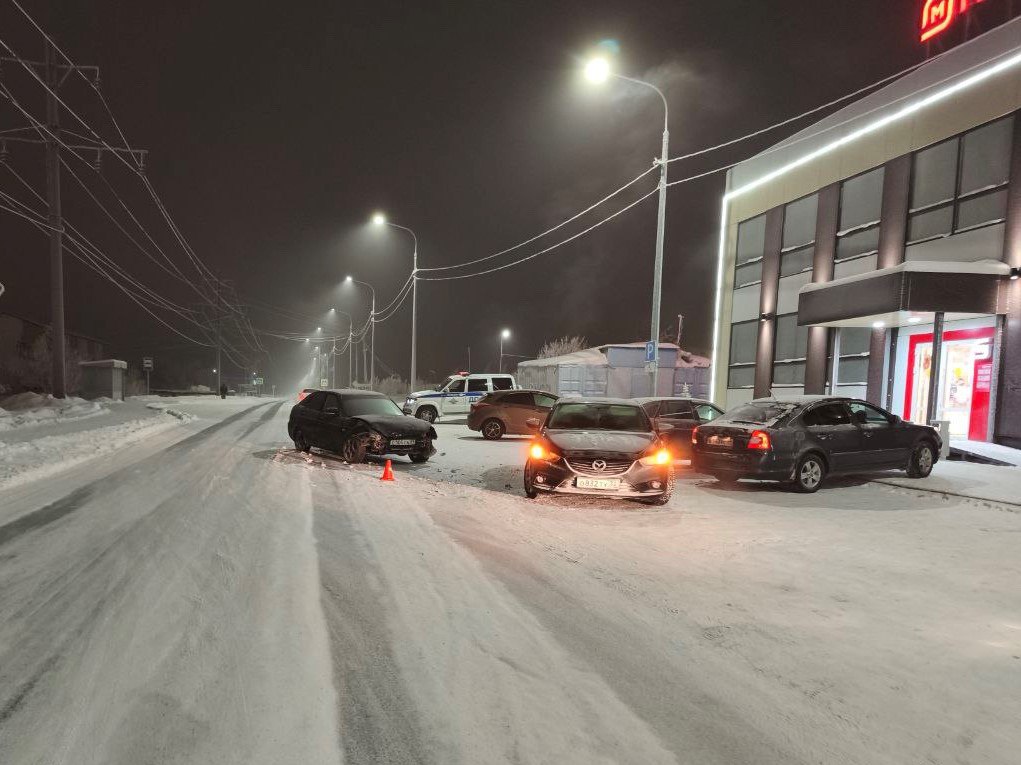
356,423
804,439
684,415
604,447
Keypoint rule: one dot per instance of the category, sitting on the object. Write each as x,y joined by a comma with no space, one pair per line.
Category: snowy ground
222,598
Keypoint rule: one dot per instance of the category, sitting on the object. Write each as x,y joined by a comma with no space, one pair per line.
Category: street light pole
598,70
372,326
503,336
380,219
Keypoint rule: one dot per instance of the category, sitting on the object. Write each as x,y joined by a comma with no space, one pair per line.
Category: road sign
147,363
650,367
323,383
258,381
651,351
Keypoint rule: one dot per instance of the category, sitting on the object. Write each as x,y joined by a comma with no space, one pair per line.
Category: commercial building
877,253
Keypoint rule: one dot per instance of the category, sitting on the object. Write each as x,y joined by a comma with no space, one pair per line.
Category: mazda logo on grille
599,466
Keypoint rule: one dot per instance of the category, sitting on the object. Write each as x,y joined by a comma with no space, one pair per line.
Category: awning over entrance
894,296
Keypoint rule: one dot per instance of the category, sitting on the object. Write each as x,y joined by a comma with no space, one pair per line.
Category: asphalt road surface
217,597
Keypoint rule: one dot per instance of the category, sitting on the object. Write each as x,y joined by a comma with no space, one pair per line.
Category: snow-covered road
222,598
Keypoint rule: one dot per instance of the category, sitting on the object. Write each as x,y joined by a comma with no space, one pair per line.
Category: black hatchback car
356,423
603,447
802,440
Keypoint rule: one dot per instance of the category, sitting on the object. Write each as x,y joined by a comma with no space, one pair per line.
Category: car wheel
809,473
530,490
493,430
419,457
354,448
922,459
300,442
426,413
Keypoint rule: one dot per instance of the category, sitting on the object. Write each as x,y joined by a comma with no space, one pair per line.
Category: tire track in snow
376,715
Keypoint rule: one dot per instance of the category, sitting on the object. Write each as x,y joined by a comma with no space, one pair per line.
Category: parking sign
651,351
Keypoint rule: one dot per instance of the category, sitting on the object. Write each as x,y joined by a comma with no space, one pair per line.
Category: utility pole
680,328
58,374
350,355
52,75
219,341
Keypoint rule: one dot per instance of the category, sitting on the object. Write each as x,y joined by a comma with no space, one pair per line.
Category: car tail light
760,440
694,435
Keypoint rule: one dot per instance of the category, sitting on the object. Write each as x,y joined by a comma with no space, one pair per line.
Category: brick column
822,271
766,346
1008,398
893,230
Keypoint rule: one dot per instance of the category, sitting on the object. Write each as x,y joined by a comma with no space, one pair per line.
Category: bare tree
562,346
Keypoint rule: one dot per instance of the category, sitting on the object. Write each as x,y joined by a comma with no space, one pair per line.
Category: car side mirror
533,423
895,419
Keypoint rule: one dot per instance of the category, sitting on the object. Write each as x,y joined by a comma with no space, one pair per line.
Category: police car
455,395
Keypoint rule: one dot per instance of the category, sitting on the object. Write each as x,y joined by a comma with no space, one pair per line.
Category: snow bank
29,409
31,460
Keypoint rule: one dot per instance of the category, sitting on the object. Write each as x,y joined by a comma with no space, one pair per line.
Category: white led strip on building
872,127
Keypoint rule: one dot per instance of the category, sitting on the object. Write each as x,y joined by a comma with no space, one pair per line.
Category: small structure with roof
617,370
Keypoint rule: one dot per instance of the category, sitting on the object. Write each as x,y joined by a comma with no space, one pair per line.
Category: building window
861,206
854,357
798,249
751,245
961,184
744,338
791,351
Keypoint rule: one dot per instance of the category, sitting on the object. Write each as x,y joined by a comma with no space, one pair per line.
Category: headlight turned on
658,457
540,452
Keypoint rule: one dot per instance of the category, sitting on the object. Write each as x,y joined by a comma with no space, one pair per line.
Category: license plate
403,442
720,441
606,484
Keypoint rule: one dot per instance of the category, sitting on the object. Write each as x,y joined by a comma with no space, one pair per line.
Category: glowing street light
505,335
598,70
378,219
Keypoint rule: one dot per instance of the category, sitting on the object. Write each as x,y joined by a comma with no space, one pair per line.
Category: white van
455,395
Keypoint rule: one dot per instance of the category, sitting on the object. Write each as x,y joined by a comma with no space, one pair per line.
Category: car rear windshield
360,405
599,417
760,412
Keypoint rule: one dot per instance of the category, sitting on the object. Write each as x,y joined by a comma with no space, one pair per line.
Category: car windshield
360,405
760,412
599,417
444,384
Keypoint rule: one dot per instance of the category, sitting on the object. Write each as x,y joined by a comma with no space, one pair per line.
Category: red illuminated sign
938,15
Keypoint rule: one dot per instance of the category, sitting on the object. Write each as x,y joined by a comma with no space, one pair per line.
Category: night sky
275,130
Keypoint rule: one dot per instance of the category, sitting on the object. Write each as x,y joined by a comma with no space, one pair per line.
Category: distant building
876,253
25,355
617,371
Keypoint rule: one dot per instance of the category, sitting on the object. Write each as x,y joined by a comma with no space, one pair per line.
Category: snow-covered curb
182,416
28,461
24,410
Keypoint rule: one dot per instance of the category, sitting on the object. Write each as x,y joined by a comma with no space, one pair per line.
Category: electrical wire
560,225
561,243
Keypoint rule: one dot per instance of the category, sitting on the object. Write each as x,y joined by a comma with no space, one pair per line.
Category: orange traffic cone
388,472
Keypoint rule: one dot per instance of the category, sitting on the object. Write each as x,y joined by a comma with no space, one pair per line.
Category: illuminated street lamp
378,219
598,70
372,320
505,335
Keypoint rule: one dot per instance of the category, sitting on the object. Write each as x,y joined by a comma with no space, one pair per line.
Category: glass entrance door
966,383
